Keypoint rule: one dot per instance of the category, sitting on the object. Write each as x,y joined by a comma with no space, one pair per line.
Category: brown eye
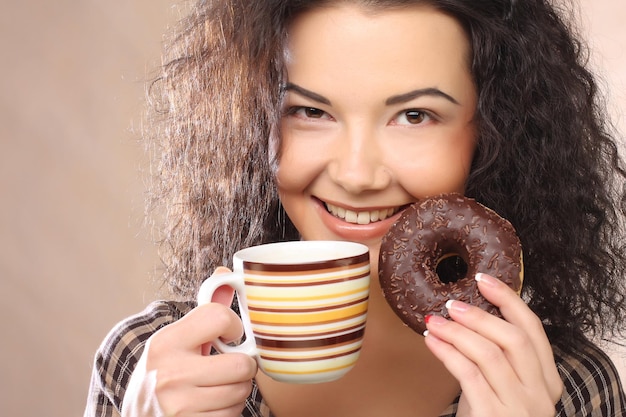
415,117
313,113
308,113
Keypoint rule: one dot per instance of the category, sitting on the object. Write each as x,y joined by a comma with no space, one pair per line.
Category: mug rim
360,254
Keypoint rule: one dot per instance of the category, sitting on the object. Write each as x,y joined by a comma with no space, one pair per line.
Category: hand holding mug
173,377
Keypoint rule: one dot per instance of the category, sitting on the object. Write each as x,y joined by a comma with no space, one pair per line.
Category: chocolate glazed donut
433,251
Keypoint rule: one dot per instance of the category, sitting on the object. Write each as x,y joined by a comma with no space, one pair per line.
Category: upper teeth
361,217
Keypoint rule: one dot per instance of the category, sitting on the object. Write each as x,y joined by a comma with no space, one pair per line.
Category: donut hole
450,268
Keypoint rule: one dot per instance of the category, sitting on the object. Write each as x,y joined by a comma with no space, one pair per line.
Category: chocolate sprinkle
435,228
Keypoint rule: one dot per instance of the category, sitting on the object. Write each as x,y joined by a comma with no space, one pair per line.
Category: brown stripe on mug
311,309
316,358
310,343
317,266
255,283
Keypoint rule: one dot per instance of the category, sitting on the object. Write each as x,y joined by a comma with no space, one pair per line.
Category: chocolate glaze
431,229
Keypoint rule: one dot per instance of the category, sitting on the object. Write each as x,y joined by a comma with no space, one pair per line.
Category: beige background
74,258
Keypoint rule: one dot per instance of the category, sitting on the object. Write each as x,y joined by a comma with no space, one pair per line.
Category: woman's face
377,114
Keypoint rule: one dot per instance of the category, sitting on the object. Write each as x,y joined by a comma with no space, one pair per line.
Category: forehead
351,44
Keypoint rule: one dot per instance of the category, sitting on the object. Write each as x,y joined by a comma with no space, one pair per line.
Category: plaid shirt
592,386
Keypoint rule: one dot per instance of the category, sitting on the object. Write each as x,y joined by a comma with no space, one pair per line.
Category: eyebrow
306,93
411,95
397,99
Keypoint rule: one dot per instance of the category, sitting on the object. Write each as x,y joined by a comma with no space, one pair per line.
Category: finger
506,341
483,367
485,358
234,411
220,397
476,390
229,368
210,321
209,371
516,312
201,325
214,401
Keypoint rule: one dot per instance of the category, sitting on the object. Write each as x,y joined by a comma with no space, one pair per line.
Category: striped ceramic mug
303,306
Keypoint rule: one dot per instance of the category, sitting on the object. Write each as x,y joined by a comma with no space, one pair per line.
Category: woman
282,120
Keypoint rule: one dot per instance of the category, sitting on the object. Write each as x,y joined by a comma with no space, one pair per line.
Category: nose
358,163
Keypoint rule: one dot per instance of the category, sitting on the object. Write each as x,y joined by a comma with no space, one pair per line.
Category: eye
308,113
412,117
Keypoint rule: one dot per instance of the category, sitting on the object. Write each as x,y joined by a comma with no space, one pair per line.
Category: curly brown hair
545,159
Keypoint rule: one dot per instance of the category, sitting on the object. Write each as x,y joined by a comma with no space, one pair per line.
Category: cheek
295,172
436,170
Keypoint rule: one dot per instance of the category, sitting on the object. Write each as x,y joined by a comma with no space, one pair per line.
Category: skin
377,114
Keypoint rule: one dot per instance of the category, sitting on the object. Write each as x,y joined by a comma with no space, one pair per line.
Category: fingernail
456,305
432,319
486,279
425,333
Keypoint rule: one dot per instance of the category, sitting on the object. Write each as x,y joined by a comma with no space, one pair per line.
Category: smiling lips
361,217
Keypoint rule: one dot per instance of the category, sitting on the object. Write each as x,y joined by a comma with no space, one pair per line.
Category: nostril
355,179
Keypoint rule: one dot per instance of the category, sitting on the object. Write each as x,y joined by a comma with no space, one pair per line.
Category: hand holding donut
176,376
505,367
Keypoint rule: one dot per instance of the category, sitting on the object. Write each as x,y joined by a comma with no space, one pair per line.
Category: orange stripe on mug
308,317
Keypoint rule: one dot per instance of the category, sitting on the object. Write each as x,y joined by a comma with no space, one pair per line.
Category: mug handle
236,281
